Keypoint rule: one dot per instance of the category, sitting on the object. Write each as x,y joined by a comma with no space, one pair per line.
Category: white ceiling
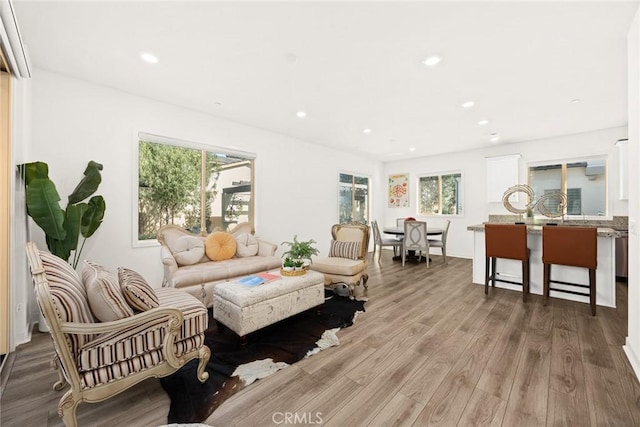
355,65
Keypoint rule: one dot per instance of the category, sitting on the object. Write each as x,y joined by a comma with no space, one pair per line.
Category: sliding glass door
5,203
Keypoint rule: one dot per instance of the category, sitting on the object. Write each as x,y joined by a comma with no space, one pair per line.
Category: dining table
399,231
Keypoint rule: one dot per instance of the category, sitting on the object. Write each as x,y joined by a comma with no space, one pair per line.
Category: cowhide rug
231,367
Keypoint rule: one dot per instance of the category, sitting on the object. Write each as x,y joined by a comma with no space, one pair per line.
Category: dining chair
507,241
399,225
574,247
415,239
442,241
379,242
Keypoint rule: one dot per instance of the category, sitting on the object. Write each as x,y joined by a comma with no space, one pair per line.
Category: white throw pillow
188,250
247,245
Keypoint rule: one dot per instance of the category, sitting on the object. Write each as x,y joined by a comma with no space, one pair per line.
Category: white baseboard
24,337
632,355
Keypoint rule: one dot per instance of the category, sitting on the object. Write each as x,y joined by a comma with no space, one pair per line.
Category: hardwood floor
431,349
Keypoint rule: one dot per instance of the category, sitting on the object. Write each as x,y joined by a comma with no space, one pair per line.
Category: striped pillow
137,292
105,299
69,297
344,249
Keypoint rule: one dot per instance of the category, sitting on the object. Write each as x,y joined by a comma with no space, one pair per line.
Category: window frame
440,175
369,192
563,184
139,135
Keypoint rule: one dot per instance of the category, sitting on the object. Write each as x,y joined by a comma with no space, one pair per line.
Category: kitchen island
512,270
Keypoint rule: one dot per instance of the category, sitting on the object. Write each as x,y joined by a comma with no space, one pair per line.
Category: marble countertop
537,229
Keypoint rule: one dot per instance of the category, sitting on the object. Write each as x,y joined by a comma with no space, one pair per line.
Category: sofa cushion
212,271
136,291
220,246
114,354
247,245
103,291
188,250
340,249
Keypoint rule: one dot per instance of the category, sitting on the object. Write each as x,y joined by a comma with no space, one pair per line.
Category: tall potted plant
64,227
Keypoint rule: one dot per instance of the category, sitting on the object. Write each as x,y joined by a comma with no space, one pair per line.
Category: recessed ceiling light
468,104
576,101
367,130
432,60
149,58
301,114
412,148
494,137
483,122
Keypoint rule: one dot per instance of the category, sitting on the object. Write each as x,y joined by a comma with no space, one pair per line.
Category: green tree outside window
440,194
171,190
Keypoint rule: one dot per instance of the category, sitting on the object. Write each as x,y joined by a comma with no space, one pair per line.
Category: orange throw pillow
220,246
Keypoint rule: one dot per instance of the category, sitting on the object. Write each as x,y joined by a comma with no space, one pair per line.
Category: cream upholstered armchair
101,359
347,260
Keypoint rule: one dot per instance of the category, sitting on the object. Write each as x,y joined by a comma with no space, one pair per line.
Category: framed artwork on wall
398,196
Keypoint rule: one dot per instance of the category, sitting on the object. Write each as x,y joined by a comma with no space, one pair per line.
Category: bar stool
508,241
575,247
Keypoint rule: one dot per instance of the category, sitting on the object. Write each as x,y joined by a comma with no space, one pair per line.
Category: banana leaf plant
63,227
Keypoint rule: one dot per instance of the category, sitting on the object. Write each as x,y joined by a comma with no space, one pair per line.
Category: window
440,194
353,198
584,182
196,188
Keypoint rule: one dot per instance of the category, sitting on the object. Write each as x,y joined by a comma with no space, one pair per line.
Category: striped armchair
101,359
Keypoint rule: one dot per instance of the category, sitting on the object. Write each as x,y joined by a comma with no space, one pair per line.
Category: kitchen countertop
537,229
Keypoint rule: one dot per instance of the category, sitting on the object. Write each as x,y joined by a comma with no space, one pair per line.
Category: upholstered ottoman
245,309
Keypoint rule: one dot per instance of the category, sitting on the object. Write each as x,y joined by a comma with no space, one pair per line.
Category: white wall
632,347
473,167
74,122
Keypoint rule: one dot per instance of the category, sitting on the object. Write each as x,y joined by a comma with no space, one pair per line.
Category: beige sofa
200,278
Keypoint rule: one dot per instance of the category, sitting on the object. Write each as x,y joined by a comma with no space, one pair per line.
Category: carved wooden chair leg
62,381
352,290
67,409
203,354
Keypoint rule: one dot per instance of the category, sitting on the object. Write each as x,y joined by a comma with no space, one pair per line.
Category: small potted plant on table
288,264
301,251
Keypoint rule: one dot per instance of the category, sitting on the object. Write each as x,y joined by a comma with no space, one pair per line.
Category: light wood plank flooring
431,349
